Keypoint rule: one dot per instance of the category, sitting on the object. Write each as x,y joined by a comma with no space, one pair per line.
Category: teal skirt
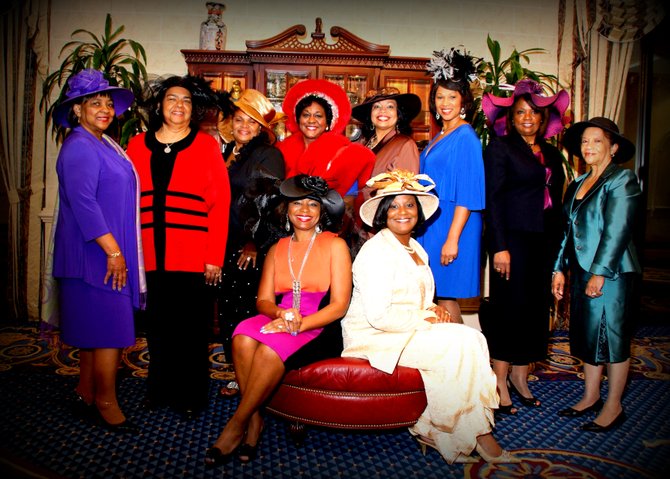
601,328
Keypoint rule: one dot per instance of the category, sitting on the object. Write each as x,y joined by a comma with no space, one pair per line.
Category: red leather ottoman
348,393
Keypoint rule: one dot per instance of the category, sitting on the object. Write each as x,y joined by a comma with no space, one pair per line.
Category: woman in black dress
524,186
255,167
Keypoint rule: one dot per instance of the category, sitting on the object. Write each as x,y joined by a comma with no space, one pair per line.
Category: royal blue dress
456,166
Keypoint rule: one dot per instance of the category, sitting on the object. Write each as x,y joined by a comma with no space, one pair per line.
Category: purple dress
97,195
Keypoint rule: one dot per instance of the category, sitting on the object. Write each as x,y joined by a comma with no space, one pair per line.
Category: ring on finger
248,258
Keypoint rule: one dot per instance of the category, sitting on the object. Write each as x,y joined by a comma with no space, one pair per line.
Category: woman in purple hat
598,251
453,158
524,186
98,257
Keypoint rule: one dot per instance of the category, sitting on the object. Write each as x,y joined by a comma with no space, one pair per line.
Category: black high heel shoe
82,409
508,410
528,402
215,458
593,427
572,412
246,452
124,427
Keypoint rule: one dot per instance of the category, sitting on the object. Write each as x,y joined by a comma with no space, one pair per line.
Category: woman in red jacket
185,200
317,113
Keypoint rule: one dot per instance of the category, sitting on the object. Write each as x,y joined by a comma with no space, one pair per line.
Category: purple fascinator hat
91,82
495,107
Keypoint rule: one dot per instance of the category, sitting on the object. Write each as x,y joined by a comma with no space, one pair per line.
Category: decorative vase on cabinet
213,31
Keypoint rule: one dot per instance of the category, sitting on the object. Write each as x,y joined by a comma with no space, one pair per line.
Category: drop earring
318,229
437,116
462,114
287,226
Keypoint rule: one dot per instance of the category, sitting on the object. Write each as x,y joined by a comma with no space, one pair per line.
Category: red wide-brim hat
329,91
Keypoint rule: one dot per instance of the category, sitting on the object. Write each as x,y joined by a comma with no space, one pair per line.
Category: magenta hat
495,107
91,82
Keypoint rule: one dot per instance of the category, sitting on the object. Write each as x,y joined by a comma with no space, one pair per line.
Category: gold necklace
168,146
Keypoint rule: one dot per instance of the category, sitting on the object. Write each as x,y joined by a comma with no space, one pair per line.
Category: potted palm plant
122,61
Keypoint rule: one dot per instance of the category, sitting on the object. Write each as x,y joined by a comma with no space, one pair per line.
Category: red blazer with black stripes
184,226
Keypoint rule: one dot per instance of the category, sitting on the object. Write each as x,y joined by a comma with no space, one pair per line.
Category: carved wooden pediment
291,40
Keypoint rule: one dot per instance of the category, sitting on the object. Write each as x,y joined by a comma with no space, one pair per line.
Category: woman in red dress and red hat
317,113
524,186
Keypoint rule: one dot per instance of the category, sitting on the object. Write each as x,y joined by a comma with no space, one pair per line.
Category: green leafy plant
498,73
123,62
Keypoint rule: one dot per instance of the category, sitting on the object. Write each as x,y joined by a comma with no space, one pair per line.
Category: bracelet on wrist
116,254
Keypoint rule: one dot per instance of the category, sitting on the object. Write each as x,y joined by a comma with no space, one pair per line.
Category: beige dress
386,325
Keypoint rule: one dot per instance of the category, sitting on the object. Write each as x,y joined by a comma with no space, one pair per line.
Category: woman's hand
116,269
288,321
443,316
449,252
594,286
557,285
501,263
212,274
247,256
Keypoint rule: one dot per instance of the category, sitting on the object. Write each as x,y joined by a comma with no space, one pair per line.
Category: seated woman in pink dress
301,269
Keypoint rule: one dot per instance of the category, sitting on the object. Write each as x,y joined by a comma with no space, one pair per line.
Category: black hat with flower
316,188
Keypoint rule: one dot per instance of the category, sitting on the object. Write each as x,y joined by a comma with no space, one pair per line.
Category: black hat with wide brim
316,188
409,103
572,138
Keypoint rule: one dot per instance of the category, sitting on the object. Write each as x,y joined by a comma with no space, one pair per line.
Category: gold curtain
23,59
596,40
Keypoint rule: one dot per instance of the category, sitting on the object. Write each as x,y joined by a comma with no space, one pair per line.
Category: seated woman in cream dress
392,321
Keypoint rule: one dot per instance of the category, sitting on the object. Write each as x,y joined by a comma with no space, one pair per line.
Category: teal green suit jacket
600,228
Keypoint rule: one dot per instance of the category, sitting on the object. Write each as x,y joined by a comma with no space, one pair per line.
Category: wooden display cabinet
273,65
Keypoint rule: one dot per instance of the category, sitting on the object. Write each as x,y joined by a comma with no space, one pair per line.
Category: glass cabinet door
419,84
275,80
355,81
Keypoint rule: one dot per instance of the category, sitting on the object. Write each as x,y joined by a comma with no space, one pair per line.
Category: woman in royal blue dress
453,159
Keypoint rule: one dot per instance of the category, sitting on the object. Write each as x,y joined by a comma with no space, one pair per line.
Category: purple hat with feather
495,107
91,82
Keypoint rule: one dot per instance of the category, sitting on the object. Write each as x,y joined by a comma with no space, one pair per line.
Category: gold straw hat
257,106
399,182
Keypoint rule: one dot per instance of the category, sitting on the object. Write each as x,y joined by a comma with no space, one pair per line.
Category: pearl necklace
409,249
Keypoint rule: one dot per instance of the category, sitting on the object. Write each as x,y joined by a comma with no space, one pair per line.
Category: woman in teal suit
598,251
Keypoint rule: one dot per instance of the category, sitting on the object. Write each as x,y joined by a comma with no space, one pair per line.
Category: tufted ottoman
348,393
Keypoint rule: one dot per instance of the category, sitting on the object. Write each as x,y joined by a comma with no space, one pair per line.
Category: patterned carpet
40,438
